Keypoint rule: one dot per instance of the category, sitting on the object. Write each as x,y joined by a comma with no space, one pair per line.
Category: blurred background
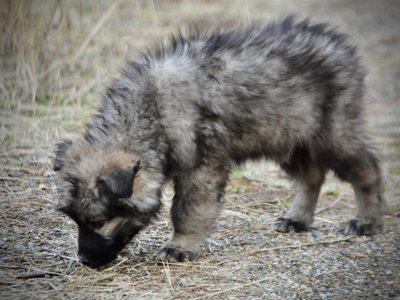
64,51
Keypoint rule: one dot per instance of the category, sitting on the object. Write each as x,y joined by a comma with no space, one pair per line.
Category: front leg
194,210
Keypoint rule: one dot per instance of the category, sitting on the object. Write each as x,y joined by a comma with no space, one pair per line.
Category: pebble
388,272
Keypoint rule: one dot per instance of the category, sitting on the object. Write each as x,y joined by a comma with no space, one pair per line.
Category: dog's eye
96,224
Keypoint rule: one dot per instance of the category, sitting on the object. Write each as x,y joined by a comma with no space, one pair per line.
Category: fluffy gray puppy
188,111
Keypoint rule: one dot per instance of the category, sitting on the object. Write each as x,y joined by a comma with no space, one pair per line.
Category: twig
53,286
329,206
239,215
326,242
182,264
167,272
38,275
13,267
154,14
60,255
248,12
234,288
324,220
86,42
10,191
8,178
116,265
23,169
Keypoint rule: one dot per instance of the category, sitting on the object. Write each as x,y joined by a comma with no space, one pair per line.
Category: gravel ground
243,257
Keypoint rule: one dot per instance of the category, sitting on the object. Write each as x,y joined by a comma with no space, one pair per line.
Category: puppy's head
95,188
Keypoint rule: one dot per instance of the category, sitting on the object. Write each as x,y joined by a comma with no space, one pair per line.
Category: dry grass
57,56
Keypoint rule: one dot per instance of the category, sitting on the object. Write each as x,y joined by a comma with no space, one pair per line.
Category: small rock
43,187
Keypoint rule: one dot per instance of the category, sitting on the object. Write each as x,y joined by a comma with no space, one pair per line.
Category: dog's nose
93,262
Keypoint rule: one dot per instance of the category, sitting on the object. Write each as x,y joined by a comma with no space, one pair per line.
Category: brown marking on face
118,160
111,227
138,183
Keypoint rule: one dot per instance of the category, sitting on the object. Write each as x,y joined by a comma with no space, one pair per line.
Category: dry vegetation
57,56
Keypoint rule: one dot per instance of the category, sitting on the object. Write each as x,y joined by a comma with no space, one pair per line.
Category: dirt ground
56,58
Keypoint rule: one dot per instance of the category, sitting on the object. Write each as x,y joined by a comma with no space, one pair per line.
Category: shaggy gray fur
190,110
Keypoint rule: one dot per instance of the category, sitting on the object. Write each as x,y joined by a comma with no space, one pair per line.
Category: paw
288,225
356,227
175,255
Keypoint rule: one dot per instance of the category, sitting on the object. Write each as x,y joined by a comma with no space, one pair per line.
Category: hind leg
362,171
307,178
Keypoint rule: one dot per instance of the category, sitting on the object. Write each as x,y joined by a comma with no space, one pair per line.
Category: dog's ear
61,149
119,182
68,193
